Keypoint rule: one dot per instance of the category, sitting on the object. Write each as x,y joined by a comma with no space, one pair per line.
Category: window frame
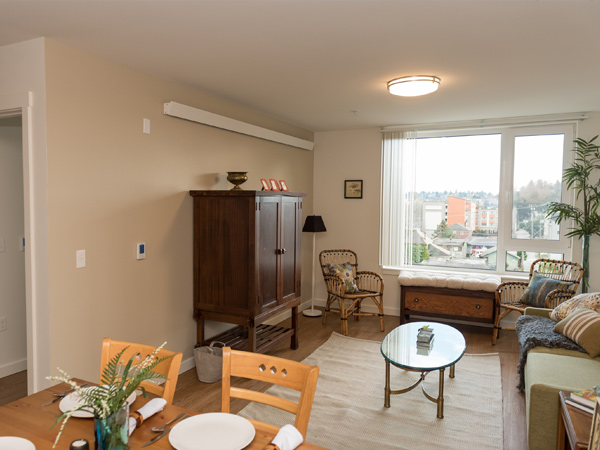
505,243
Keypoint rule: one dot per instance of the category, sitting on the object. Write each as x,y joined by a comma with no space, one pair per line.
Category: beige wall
354,224
13,341
111,186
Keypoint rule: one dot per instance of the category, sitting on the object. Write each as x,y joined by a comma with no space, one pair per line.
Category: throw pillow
539,287
345,271
583,327
589,300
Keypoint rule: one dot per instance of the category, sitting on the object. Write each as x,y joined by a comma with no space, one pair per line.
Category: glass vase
112,432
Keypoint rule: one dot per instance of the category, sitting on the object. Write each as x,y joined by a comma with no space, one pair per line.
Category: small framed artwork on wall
283,185
265,184
353,189
274,185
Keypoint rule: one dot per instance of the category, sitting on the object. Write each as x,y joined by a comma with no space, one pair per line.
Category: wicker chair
508,295
370,285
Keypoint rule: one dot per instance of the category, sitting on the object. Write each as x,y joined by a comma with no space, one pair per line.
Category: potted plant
582,178
108,402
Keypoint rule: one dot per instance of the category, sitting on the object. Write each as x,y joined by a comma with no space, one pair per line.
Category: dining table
27,418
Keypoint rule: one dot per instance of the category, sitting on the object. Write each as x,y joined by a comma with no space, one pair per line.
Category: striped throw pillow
583,327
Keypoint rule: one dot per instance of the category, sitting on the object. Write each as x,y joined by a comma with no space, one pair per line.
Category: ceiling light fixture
413,86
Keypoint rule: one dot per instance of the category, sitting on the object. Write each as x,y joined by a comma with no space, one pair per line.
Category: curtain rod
490,123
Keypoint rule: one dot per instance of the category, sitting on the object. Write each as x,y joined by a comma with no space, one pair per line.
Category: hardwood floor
203,397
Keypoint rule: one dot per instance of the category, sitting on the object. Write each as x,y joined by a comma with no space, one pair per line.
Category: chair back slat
338,257
558,270
169,368
270,369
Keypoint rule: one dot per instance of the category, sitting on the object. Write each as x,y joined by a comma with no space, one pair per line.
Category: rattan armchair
508,295
370,285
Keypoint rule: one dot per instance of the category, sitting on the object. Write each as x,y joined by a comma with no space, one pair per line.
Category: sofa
548,371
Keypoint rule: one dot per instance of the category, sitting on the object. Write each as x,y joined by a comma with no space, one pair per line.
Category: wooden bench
463,297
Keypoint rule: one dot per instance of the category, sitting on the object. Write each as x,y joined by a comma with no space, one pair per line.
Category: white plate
72,401
15,443
212,431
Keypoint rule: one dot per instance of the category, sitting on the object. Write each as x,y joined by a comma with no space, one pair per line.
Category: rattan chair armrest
557,296
510,292
335,284
370,281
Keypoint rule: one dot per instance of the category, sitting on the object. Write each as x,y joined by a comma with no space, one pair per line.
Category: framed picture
283,185
265,184
274,185
353,189
594,443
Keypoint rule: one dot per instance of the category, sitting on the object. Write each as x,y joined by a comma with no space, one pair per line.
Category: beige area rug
348,411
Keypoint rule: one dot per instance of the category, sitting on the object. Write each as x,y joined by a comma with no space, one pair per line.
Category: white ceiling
324,64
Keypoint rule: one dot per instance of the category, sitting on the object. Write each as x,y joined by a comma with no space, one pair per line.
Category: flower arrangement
118,382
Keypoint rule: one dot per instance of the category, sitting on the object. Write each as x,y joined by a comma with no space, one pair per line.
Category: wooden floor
203,397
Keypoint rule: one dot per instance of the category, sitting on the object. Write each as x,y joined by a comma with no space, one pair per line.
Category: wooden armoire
247,264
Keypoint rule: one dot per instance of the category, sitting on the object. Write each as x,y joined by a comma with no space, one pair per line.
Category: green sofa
547,371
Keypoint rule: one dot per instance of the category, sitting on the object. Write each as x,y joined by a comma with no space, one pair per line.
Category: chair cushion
539,288
590,300
345,271
583,327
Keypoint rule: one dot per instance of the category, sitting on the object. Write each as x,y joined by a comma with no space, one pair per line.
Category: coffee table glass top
399,347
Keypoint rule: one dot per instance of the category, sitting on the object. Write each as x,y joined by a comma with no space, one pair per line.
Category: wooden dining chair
349,287
270,369
509,295
169,367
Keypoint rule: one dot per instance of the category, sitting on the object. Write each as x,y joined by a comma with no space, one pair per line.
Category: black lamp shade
314,224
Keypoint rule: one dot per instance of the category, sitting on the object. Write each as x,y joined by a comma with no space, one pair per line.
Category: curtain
397,193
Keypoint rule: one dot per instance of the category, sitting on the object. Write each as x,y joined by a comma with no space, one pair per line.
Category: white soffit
214,120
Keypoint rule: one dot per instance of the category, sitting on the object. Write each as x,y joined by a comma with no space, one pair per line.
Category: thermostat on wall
141,250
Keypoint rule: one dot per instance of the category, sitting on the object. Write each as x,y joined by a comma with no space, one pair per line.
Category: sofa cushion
345,271
590,300
472,282
539,288
548,371
583,327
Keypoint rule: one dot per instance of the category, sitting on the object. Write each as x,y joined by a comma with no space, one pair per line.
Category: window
474,200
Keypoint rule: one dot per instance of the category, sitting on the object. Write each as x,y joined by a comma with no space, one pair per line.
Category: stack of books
584,400
425,338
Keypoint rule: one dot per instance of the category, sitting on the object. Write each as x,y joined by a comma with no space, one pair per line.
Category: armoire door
290,241
268,251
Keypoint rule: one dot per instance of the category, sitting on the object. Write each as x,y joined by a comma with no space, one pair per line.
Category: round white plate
72,401
212,431
15,443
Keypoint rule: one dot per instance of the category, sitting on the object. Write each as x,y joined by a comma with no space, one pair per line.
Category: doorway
13,323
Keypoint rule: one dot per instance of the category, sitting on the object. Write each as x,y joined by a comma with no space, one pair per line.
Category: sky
472,163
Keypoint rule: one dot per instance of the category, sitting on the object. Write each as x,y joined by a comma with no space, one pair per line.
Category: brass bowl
237,178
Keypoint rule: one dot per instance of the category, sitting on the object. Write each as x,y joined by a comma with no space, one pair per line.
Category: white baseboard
13,367
187,364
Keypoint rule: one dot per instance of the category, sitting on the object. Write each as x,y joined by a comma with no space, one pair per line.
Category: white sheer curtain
397,192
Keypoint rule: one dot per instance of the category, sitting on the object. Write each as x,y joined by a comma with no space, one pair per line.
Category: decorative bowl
237,178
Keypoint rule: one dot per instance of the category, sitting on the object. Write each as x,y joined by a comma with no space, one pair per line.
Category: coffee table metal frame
439,400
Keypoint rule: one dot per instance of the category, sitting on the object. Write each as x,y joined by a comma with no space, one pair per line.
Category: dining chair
349,286
169,367
270,369
551,282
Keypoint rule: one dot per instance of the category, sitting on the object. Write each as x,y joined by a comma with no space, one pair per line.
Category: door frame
35,233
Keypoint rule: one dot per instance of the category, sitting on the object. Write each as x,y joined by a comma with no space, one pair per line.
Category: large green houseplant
583,178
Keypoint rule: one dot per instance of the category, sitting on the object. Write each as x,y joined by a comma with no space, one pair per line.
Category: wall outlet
3,323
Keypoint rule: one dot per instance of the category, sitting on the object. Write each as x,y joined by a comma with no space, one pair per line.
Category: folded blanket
536,331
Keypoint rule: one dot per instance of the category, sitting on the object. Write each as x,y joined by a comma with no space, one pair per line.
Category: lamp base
312,312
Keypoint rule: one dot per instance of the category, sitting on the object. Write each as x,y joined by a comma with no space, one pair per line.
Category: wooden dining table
26,418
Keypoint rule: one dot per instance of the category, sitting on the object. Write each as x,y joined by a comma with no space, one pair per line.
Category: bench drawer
450,304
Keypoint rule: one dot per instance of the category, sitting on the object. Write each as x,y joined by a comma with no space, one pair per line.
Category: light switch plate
80,259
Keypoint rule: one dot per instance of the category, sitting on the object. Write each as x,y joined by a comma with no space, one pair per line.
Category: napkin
149,409
288,438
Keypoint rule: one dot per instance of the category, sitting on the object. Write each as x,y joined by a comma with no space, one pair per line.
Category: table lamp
313,224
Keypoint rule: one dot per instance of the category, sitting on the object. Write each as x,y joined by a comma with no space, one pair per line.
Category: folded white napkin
149,409
288,438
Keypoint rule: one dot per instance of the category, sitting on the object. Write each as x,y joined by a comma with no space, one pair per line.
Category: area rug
348,411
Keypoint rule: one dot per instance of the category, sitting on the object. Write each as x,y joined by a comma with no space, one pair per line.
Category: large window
473,200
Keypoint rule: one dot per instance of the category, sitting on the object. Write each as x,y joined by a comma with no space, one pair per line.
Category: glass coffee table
399,348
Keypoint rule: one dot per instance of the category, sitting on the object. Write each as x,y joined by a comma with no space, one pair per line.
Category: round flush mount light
414,86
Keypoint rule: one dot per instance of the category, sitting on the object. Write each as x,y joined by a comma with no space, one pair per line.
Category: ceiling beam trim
180,111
